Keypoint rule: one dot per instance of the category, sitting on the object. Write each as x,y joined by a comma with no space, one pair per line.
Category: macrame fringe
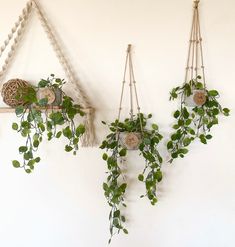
18,29
89,139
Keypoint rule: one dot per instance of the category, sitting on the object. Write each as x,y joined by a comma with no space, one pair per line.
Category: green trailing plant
193,122
37,118
115,155
199,107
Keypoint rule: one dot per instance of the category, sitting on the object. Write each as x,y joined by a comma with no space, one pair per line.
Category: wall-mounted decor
199,107
134,133
29,102
45,108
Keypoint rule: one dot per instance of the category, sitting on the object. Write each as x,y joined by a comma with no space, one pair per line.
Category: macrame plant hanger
195,61
15,36
132,87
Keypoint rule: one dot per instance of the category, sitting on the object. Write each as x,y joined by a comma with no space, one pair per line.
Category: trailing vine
115,155
36,116
193,122
199,107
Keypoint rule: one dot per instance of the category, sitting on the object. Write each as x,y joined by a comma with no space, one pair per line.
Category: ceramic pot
130,140
53,95
198,98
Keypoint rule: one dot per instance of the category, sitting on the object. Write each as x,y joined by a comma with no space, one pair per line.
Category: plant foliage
36,117
115,155
193,122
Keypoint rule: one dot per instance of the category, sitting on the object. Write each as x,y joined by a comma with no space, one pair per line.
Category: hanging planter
199,107
134,133
44,109
130,140
48,94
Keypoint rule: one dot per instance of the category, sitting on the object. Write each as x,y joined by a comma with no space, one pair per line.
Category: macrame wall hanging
28,101
199,107
134,133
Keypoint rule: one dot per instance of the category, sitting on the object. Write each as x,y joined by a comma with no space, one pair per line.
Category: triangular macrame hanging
15,36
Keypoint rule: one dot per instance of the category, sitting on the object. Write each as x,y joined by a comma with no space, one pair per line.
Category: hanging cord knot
129,48
196,4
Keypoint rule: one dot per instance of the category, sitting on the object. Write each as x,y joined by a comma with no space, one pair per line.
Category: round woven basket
10,91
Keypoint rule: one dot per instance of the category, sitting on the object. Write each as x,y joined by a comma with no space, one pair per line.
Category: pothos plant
193,122
37,117
115,155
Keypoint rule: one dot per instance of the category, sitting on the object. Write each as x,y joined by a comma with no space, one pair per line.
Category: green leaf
75,141
158,175
123,187
67,132
49,135
28,155
176,126
25,124
123,152
43,83
185,113
125,231
35,136
188,121
15,126
213,93
208,137
199,85
183,150
28,171
19,110
186,141
56,118
105,156
154,126
58,80
192,132
141,177
23,149
177,114
37,160
16,163
80,130
36,143
116,214
43,102
105,187
58,135
215,111
226,111
68,148
170,145
41,126
203,139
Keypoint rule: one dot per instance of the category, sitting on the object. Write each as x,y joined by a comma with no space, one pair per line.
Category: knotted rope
195,59
132,87
18,30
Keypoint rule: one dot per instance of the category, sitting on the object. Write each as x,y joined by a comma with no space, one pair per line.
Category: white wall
62,204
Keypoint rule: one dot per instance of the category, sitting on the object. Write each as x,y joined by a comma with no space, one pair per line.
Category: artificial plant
199,107
37,116
134,132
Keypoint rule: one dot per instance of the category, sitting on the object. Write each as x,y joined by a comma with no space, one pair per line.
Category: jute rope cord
17,30
195,61
132,87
